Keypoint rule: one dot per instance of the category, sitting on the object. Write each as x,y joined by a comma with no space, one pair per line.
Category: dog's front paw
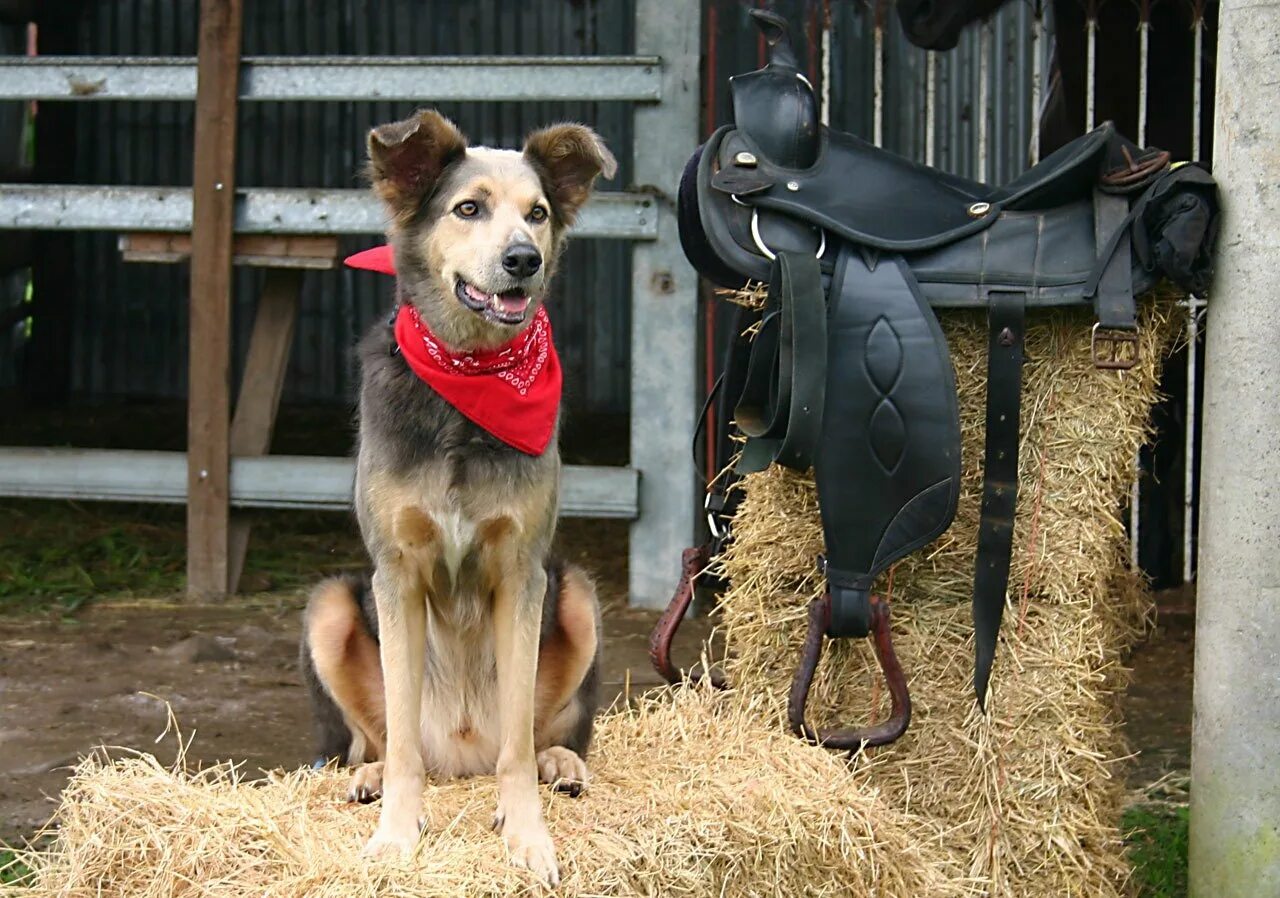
392,843
531,847
366,783
562,770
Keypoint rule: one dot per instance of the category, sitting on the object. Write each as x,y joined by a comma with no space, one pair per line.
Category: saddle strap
1111,284
1007,323
780,407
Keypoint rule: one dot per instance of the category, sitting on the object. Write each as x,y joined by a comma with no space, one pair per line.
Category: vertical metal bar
209,392
877,124
1194,303
930,107
1090,68
982,114
664,308
1037,73
825,109
1135,491
1196,82
1144,38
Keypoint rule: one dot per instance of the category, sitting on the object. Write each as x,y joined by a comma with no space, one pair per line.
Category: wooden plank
213,191
317,483
263,250
260,389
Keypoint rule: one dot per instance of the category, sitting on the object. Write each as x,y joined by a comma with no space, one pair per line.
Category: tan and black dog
469,651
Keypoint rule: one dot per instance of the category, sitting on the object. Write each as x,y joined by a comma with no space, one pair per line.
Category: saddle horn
774,106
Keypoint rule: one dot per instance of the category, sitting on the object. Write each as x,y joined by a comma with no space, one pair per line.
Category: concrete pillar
1235,760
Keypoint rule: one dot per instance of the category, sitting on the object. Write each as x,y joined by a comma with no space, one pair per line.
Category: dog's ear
406,158
570,158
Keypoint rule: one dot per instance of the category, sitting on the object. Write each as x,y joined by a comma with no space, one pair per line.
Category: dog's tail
339,636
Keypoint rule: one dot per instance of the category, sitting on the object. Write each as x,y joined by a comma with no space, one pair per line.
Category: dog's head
477,231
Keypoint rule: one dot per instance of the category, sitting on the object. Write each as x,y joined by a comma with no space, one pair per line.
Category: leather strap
1007,321
780,408
1111,285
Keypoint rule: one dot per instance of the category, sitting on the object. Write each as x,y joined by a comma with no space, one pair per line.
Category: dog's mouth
507,307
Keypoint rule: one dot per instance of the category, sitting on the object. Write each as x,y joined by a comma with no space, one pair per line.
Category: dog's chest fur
432,490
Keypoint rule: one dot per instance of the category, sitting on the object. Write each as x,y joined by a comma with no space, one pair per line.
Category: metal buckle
770,254
1106,347
712,524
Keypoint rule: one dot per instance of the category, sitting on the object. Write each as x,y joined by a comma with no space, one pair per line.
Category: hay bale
1028,797
692,796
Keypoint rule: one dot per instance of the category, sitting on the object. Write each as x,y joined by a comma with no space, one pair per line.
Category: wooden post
260,389
213,191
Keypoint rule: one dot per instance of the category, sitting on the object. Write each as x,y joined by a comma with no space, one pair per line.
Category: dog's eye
539,214
467,209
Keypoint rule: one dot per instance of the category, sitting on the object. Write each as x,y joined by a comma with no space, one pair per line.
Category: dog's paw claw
366,784
563,770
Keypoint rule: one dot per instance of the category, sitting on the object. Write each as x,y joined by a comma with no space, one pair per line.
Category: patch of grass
12,871
56,556
1157,837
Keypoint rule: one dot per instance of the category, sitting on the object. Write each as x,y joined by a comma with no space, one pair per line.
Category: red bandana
512,392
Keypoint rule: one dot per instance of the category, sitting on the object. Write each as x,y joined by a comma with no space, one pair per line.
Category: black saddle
848,371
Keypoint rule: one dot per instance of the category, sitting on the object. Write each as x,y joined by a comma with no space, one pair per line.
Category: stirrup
692,562
849,738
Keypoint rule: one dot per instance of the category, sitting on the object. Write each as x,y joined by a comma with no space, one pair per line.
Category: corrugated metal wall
131,319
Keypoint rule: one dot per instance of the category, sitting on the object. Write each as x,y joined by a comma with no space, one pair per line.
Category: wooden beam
213,190
255,250
260,389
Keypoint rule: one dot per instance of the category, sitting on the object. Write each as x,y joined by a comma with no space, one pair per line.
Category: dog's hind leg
568,679
339,658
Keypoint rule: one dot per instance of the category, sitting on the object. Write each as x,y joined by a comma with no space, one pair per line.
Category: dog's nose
522,260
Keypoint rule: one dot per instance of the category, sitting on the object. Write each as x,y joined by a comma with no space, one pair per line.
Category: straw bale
691,796
1028,796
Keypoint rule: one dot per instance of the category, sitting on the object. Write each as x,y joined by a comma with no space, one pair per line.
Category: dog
469,650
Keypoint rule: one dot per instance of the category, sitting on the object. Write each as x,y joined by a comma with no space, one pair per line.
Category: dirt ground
230,675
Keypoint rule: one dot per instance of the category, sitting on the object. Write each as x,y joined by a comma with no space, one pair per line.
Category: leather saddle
847,370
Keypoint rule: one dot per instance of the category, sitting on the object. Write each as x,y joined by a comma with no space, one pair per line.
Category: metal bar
1037,73
442,78
930,107
664,291
986,37
1144,38
612,215
1194,305
1090,69
209,393
877,122
267,481
825,113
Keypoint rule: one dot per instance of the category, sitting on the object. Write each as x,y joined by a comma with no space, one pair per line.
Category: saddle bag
848,372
